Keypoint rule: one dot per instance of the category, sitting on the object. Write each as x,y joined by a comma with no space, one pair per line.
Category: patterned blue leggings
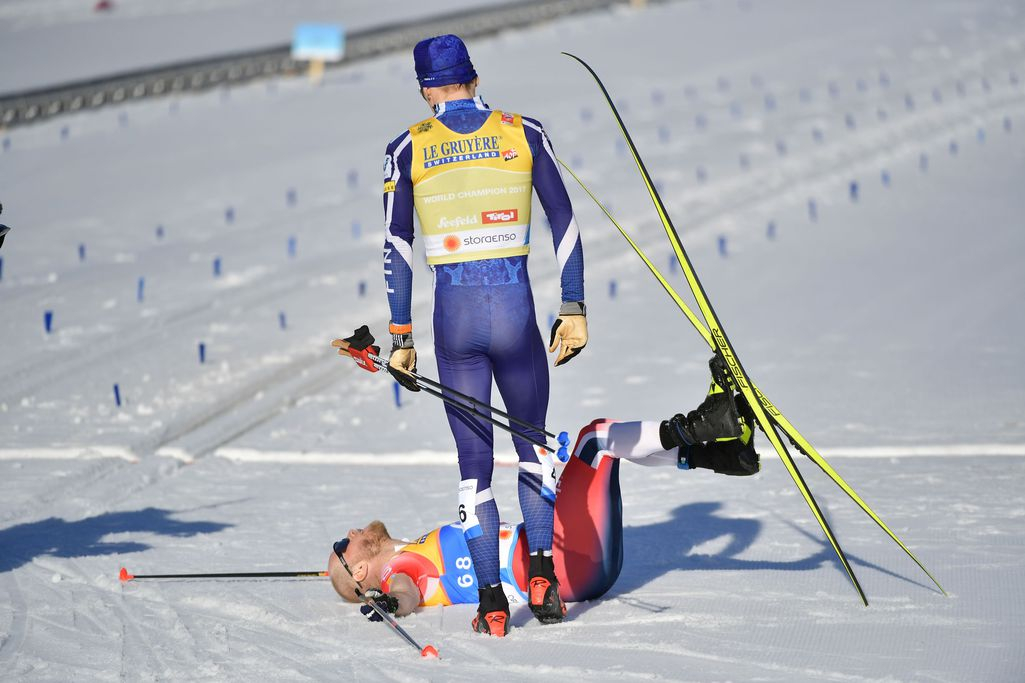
484,327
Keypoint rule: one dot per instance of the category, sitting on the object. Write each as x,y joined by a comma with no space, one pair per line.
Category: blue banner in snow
318,42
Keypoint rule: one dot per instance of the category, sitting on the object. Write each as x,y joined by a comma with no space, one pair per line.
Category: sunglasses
339,548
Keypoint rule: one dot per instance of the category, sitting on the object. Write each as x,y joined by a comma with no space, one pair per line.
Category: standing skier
469,172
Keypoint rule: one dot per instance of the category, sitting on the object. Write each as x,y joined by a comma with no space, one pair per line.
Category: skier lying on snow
436,568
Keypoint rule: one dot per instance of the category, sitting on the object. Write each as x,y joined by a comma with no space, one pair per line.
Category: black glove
384,601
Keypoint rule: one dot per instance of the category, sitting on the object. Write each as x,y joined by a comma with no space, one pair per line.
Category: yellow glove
402,360
569,331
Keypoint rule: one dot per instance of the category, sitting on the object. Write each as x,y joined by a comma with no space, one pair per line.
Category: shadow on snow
57,537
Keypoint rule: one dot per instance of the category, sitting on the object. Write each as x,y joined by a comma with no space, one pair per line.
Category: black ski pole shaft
426,383
390,620
478,402
470,410
126,576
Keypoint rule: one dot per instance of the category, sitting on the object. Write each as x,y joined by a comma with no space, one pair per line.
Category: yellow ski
775,415
715,335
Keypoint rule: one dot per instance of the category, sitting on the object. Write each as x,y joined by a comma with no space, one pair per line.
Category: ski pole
367,359
125,576
427,652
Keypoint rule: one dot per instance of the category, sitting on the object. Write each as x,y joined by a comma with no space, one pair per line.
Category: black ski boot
733,457
543,590
492,612
716,418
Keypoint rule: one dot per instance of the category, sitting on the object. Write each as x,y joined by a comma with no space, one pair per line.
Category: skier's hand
386,602
569,331
403,360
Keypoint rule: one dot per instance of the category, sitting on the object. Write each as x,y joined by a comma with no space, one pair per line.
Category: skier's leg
588,538
463,366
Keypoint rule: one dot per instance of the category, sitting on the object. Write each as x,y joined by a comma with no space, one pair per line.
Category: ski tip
429,652
125,576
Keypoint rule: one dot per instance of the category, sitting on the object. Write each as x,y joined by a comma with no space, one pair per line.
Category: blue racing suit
485,326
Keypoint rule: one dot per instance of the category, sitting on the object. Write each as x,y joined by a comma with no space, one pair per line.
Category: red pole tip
429,652
124,575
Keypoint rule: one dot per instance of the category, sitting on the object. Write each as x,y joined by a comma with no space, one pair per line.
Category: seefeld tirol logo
457,222
500,216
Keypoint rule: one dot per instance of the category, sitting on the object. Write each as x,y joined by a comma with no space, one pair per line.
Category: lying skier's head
360,549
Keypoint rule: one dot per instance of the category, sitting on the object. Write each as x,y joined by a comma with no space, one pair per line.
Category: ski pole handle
367,358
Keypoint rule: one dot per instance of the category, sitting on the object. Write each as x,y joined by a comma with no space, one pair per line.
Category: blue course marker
1007,124
357,230
854,190
923,162
362,288
160,232
770,230
980,135
770,102
781,148
722,246
291,197
282,322
353,179
229,215
65,132
953,147
849,120
909,101
81,253
217,267
202,352
398,394
1,268
117,395
292,244
816,134
813,210
140,289
48,321
612,289
885,178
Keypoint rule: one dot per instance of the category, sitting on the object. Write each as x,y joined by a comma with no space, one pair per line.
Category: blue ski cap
442,60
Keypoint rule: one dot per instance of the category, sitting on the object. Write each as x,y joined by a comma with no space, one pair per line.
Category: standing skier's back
469,171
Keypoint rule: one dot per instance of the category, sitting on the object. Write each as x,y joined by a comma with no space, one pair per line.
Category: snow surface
888,330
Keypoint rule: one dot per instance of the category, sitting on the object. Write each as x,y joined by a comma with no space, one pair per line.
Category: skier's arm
398,257
402,587
551,191
570,330
398,232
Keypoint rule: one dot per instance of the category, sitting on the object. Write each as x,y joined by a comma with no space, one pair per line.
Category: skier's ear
360,570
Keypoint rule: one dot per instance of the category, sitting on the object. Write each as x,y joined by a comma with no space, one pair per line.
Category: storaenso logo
496,239
457,222
453,243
